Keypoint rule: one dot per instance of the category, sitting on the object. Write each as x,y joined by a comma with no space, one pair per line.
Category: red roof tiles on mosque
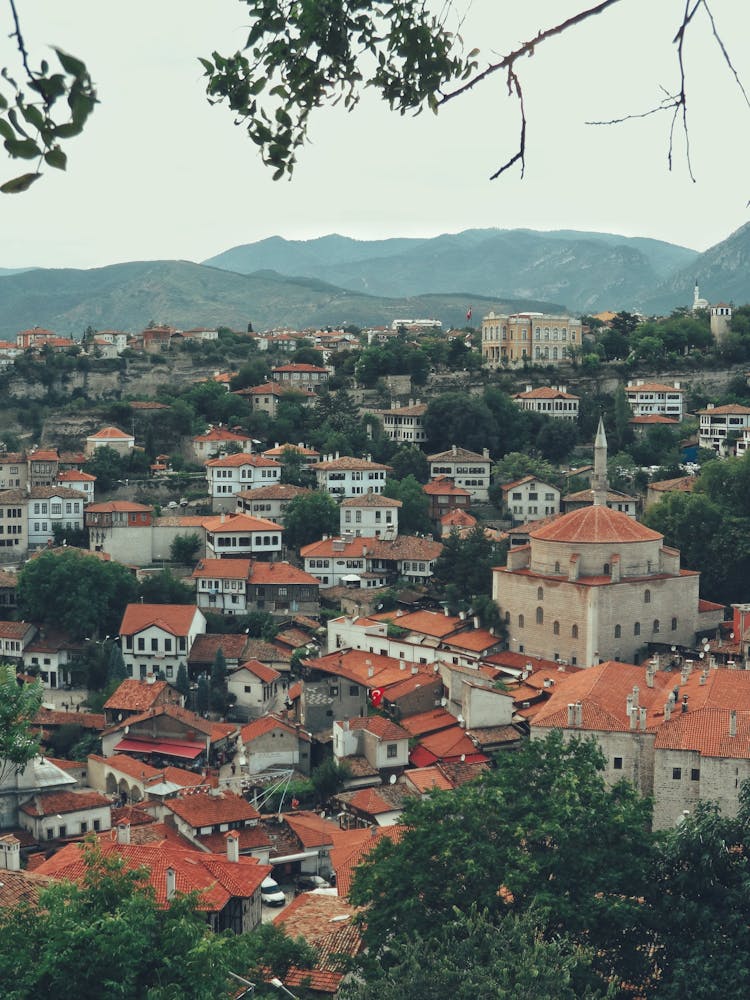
595,524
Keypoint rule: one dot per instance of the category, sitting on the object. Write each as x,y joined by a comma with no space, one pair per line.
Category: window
556,628
574,632
606,569
540,594
540,616
63,831
154,645
520,621
618,631
617,763
695,774
676,774
656,625
637,628
647,597
557,567
141,644
674,624
353,690
392,750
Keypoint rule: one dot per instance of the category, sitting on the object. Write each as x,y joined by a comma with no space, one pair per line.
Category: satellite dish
392,779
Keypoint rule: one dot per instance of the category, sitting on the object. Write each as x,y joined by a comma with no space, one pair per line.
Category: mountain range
336,281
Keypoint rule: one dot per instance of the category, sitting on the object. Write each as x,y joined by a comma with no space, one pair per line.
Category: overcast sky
160,174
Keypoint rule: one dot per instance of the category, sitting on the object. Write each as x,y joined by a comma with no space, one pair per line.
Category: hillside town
275,592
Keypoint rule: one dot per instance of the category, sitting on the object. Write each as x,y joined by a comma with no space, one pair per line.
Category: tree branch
16,33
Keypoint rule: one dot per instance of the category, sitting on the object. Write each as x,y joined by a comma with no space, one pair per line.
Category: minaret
599,483
695,295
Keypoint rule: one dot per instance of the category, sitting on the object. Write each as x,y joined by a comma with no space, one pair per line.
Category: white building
467,469
529,498
221,585
110,437
371,515
349,477
552,401
405,424
218,441
269,502
647,398
50,506
255,687
717,423
72,479
159,637
234,535
230,474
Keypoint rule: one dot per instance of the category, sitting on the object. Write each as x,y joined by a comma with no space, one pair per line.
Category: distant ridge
586,271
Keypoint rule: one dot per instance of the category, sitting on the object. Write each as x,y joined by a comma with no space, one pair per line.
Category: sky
159,174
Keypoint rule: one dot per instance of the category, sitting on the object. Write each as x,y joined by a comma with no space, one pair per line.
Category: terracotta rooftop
21,887
203,809
51,803
379,726
240,459
632,390
267,724
239,522
428,722
735,408
595,524
544,392
280,573
265,674
135,696
213,877
353,850
371,499
274,491
443,486
301,368
177,619
205,647
220,434
223,569
110,434
587,496
349,463
683,484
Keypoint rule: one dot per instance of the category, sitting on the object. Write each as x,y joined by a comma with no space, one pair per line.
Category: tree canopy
19,703
308,517
75,591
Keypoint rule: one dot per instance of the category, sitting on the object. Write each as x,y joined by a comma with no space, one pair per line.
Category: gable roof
239,522
267,724
544,392
204,809
240,459
109,434
259,670
52,803
223,569
177,619
457,455
378,725
444,486
371,499
349,463
135,695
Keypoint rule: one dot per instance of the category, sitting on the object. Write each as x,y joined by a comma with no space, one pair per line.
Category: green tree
701,906
19,703
108,466
556,439
203,695
329,777
184,548
182,683
529,816
460,419
410,461
517,464
165,588
75,591
414,515
219,682
116,669
470,955
308,517
464,568
107,936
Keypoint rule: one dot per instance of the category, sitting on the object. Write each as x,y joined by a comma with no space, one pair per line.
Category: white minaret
599,482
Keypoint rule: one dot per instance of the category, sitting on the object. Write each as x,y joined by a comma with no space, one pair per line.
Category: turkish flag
468,313
376,696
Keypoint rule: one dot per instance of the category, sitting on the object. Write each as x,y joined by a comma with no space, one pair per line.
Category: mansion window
637,628
520,621
540,616
574,632
647,597
540,594
556,628
656,624
618,631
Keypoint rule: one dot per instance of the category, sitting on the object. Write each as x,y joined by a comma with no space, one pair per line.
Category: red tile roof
51,803
544,392
136,696
220,434
595,524
632,390
110,434
282,573
267,724
240,459
239,522
177,619
222,569
214,878
354,848
301,368
443,486
735,408
371,499
204,809
259,670
347,462
426,778
457,455
428,722
379,726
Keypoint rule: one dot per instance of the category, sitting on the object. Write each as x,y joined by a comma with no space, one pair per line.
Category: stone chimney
233,846
402,664
650,674
636,695
171,883
733,722
476,621
370,669
10,853
150,678
642,719
668,711
414,668
123,832
634,714
571,715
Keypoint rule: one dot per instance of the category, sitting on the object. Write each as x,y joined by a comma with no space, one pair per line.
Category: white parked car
271,892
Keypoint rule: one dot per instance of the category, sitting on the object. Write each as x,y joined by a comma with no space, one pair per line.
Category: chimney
233,846
476,621
668,711
123,832
485,452
733,722
370,669
150,678
636,693
171,883
633,714
642,719
650,671
445,611
703,677
10,853
528,388
454,449
579,714
684,703
571,715
414,669
402,664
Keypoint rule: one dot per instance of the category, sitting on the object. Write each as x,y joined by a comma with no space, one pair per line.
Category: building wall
533,337
330,698
595,611
628,755
370,522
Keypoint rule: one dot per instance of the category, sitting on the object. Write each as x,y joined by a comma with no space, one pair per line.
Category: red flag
376,696
468,313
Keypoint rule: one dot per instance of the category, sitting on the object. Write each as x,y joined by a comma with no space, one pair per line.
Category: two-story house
529,498
265,398
122,529
110,437
648,398
13,471
307,376
465,468
383,743
14,536
255,689
74,479
239,535
218,441
405,424
721,426
348,477
269,502
157,638
371,515
550,400
53,506
230,474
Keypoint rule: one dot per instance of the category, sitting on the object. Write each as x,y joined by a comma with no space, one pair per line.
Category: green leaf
67,130
56,158
33,115
3,103
71,64
23,149
19,184
6,130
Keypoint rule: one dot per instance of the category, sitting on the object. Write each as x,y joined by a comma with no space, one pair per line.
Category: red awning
168,748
